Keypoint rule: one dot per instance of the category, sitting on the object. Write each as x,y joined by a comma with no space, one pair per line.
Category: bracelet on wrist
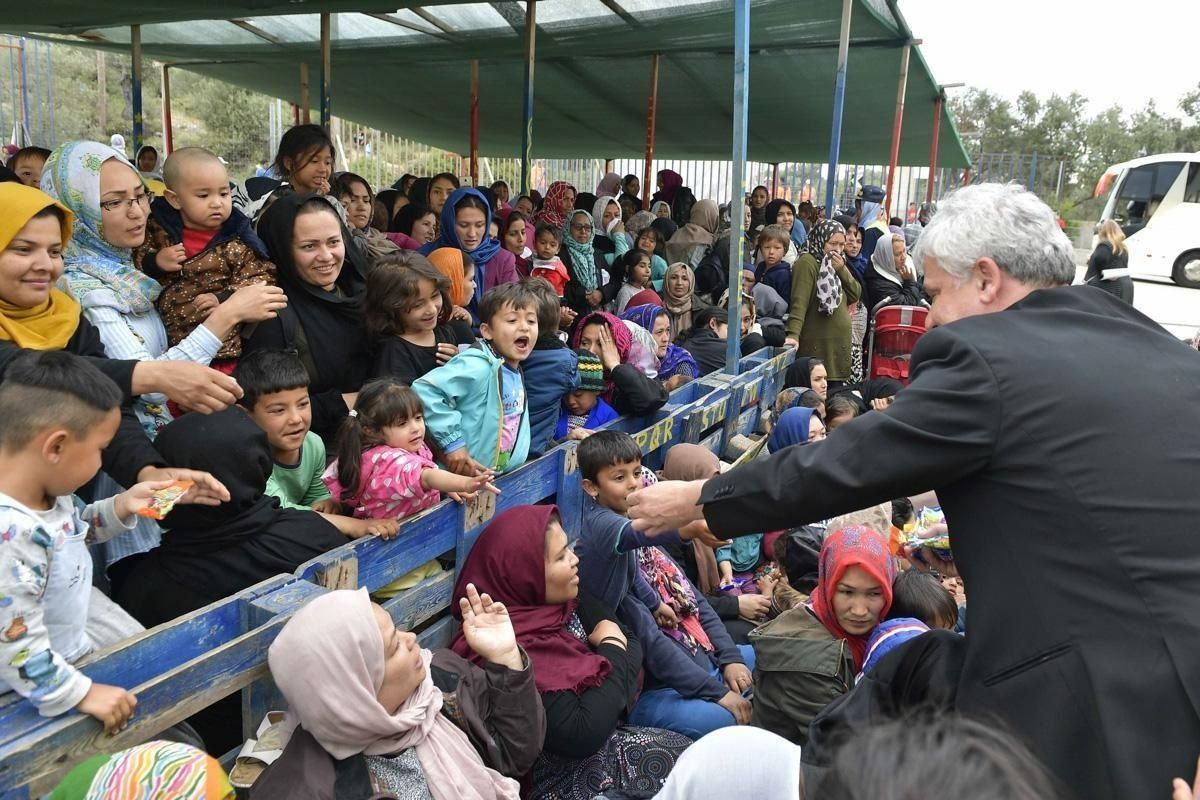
614,639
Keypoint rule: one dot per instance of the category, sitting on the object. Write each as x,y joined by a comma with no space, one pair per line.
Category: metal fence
382,158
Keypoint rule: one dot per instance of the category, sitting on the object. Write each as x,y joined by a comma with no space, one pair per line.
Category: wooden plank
39,757
142,657
423,602
263,695
534,482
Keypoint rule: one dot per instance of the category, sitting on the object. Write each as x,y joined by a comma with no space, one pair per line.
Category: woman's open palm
486,625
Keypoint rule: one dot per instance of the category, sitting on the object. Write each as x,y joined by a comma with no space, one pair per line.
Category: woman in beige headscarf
367,714
692,241
679,298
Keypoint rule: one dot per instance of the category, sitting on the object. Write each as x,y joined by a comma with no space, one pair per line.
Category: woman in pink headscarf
370,711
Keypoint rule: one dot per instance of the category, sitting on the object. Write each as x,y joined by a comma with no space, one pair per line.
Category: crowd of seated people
300,363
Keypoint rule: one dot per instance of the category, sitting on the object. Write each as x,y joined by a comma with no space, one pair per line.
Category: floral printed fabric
390,485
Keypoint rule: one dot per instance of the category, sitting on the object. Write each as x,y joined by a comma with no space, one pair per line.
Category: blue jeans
666,708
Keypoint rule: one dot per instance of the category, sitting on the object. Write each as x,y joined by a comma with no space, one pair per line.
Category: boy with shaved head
200,248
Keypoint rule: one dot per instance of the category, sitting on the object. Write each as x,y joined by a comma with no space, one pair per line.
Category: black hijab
211,552
419,191
771,212
234,449
871,389
406,217
331,321
799,373
585,201
666,228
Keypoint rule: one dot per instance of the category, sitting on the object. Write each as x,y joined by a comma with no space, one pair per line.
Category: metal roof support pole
527,105
24,139
326,63
839,98
474,144
651,120
305,112
135,45
168,133
775,179
966,181
737,206
933,145
897,124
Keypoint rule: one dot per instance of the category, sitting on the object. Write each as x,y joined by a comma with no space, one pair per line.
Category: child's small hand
112,705
566,317
579,434
664,615
480,483
170,259
383,528
445,352
205,303
327,506
458,312
698,530
140,496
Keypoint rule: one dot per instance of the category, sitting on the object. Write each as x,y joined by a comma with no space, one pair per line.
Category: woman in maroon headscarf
669,184
586,663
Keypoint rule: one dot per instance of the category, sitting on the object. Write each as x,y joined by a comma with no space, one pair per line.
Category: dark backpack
711,276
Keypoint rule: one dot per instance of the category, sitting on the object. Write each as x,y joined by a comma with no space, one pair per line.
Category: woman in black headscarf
323,276
212,552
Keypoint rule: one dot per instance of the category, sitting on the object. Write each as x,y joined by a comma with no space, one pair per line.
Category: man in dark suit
1062,435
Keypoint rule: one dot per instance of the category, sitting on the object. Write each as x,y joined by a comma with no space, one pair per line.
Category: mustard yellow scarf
50,325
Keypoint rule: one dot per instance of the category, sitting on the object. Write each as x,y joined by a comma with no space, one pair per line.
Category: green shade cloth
592,73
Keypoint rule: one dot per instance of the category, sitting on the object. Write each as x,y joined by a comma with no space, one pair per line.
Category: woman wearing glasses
588,290
110,203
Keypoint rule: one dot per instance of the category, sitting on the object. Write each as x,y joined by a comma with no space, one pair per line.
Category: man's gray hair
1003,222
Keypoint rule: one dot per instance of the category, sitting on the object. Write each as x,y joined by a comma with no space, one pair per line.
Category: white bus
1156,201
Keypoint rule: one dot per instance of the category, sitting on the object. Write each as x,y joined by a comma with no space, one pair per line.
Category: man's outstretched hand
666,506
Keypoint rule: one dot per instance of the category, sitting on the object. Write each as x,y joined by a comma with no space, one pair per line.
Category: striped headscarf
152,771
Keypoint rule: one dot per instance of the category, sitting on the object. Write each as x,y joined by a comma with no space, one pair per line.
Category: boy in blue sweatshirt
692,693
475,404
551,371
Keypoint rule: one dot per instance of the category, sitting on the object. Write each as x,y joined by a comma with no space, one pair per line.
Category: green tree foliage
1060,129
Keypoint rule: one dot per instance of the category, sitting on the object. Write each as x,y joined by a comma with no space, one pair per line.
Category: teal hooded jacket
463,404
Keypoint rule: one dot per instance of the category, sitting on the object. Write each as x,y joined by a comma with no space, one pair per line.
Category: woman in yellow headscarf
33,230
35,315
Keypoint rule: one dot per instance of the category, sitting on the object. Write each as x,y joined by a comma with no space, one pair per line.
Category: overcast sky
1110,52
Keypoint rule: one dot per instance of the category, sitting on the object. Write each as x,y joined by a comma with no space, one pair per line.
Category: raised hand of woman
609,355
488,629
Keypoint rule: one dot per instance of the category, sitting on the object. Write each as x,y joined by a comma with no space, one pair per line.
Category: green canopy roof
407,71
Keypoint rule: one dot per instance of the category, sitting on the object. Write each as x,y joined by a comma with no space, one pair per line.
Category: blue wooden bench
190,663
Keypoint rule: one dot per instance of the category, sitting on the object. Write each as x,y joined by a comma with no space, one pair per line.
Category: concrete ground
1175,308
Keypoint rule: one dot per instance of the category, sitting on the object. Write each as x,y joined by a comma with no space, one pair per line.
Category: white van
1156,201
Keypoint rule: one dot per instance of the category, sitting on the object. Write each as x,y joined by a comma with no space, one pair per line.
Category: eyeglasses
584,228
142,200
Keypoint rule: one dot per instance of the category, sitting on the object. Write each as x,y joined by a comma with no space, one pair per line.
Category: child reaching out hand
57,412
384,466
385,469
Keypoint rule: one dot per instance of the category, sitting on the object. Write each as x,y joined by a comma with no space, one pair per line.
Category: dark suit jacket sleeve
941,429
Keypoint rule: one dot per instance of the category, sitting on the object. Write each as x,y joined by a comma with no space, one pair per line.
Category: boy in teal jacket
475,405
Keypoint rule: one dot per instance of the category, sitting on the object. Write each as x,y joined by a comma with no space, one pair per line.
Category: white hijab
884,260
738,761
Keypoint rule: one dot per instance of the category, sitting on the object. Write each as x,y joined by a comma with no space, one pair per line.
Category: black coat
1073,520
